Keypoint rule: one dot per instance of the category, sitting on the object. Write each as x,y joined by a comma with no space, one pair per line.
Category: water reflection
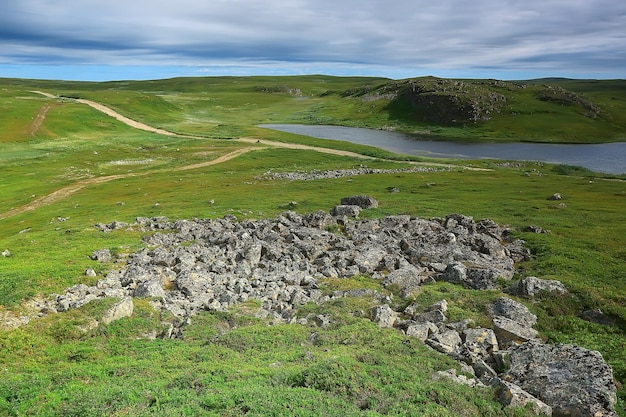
606,157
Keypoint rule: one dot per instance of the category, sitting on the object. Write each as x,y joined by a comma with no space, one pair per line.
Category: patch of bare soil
65,192
39,119
71,189
124,119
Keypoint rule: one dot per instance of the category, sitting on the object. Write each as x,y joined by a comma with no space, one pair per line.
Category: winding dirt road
65,192
110,112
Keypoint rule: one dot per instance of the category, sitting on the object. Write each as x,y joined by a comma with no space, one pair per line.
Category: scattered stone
480,342
90,272
451,375
535,229
321,320
441,305
6,253
555,196
151,288
124,308
532,286
460,326
342,173
478,277
597,316
421,331
407,279
363,201
346,210
511,309
447,342
89,326
278,261
384,316
433,316
101,255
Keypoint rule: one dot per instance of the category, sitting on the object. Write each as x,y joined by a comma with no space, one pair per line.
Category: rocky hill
459,102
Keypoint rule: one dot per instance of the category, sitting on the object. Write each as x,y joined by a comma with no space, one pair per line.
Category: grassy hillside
549,110
233,363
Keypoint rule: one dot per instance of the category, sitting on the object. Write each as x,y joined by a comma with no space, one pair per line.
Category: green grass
233,363
226,107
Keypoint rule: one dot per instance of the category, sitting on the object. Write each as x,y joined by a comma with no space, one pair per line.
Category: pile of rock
554,380
212,264
204,264
341,173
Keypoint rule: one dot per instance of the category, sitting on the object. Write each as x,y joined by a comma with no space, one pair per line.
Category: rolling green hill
547,110
67,167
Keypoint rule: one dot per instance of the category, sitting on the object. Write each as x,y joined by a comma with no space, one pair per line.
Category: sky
99,40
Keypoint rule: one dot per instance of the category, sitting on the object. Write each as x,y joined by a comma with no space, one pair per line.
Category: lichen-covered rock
483,276
511,309
451,375
572,380
346,210
445,342
421,331
384,316
101,255
407,279
511,395
279,261
479,341
363,201
531,286
509,332
124,308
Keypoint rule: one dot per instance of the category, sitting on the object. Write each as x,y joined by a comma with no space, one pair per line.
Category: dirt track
39,119
65,192
124,119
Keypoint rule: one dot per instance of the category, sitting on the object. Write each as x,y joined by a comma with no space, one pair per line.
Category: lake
608,158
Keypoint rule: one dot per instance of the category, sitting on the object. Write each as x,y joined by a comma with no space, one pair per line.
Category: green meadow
66,167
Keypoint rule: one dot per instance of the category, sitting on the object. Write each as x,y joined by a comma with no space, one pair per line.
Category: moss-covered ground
231,363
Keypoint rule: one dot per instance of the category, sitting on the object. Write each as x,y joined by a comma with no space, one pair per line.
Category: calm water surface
606,157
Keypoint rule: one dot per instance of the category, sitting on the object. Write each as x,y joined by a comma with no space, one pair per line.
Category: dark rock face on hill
460,102
563,97
453,101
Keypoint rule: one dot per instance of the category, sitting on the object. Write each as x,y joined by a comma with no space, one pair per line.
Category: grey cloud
447,34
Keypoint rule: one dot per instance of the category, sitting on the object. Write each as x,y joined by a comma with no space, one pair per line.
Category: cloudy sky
146,39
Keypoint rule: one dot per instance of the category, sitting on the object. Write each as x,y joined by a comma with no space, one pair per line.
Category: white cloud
445,35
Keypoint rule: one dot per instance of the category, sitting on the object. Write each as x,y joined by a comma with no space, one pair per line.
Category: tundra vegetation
67,167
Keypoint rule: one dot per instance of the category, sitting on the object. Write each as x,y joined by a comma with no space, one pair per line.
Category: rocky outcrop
574,381
512,395
212,264
553,380
203,264
559,95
